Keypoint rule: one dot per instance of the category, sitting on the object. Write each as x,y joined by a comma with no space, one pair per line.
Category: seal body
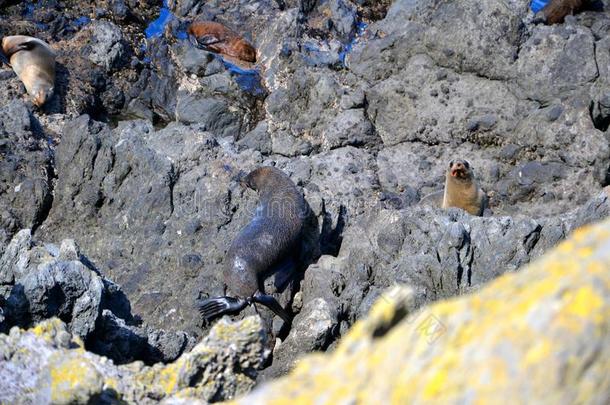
271,234
462,190
269,237
33,61
218,38
556,10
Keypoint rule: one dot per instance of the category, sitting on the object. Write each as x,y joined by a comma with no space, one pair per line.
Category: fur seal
268,238
461,190
33,60
556,10
215,37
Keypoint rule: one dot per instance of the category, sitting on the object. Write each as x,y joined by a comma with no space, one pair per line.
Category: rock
37,286
553,325
25,172
556,59
461,254
37,283
351,127
108,46
415,27
46,364
190,109
406,106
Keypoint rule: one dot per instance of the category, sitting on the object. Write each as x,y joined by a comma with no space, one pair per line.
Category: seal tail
211,308
273,305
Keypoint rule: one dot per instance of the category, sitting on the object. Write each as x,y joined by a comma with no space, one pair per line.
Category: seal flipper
211,308
22,46
272,304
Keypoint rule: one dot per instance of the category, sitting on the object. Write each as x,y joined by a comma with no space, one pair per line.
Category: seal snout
459,168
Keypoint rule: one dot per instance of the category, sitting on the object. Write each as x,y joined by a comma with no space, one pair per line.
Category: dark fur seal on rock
556,10
461,190
33,61
270,237
217,38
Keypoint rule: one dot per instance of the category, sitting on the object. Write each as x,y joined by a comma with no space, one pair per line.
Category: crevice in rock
530,240
331,239
600,121
51,175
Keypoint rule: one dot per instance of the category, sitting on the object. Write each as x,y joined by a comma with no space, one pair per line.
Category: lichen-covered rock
46,364
540,335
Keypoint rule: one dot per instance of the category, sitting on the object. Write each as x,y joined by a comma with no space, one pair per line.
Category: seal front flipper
12,49
273,305
211,308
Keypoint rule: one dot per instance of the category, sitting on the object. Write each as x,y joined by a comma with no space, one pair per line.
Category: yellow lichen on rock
74,379
541,335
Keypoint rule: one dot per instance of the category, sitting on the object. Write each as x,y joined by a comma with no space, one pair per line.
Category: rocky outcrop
437,255
538,335
362,103
47,364
38,282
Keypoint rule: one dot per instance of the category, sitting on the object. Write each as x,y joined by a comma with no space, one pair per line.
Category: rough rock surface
38,282
538,335
362,103
47,364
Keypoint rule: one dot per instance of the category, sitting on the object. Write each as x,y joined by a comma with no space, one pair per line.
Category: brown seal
33,60
217,38
556,10
461,190
270,237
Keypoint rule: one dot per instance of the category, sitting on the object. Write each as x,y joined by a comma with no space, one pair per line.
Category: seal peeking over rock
268,239
461,190
215,37
33,60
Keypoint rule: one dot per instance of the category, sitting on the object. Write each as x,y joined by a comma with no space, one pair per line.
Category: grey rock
350,127
214,112
555,60
403,109
42,286
412,27
108,48
25,171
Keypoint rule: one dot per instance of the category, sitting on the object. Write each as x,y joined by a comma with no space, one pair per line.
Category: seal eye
451,164
466,164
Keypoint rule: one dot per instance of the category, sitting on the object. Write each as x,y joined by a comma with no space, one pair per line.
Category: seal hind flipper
272,304
211,308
